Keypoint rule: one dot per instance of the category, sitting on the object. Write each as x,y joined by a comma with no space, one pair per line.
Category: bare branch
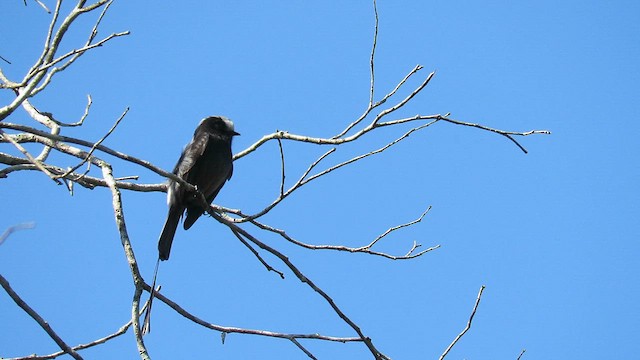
370,106
41,73
304,179
282,166
11,229
94,146
131,259
43,6
88,182
57,139
376,353
363,249
373,55
72,56
257,255
43,323
464,331
307,352
397,227
507,134
33,160
521,353
51,62
123,329
230,330
44,119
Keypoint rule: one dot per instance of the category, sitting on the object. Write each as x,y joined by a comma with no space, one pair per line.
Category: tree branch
367,341
236,330
43,323
464,331
123,329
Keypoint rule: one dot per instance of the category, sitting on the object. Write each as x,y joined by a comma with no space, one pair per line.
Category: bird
206,163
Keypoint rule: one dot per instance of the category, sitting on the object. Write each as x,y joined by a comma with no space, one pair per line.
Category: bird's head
218,125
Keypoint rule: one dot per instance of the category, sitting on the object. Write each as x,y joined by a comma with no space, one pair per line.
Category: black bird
207,163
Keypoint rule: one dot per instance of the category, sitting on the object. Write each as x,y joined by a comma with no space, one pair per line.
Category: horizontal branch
363,249
67,139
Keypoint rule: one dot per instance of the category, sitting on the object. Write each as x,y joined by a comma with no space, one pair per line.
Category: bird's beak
235,133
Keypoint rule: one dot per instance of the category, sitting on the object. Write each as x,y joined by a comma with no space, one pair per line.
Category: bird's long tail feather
146,327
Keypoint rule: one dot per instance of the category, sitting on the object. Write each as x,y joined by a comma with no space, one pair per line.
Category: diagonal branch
43,323
257,254
508,134
464,331
123,329
376,353
37,163
521,353
304,179
5,235
95,145
237,330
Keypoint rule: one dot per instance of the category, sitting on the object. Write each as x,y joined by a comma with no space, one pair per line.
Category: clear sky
553,234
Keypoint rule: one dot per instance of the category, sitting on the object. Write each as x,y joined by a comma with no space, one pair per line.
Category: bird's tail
146,327
168,232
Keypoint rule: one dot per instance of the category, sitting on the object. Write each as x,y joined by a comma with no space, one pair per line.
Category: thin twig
508,134
363,249
257,255
283,175
307,352
398,227
304,179
11,229
373,54
95,145
33,160
473,313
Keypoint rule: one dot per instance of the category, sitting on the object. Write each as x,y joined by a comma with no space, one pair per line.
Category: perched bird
207,163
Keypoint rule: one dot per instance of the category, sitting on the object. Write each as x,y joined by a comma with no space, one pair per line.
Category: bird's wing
191,154
230,171
214,193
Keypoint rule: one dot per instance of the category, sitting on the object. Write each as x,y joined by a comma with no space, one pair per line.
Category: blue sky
553,234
